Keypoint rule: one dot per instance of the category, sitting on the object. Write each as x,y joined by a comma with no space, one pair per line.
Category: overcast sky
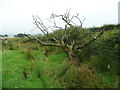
16,15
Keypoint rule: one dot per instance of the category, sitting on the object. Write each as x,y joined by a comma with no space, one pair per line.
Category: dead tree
70,48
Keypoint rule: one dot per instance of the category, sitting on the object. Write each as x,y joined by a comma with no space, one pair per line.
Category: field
30,65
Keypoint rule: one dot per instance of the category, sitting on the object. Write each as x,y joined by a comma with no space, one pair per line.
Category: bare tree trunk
73,58
75,61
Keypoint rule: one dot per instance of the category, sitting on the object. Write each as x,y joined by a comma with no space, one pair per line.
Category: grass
108,80
13,64
52,71
57,57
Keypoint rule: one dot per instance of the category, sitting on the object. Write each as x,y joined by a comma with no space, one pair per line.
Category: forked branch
89,42
43,43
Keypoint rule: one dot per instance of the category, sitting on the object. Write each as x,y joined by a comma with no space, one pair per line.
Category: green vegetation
49,67
13,64
0,64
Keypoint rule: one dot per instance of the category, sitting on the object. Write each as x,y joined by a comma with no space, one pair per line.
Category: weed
30,54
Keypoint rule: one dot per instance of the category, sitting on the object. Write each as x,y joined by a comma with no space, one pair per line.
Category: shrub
80,77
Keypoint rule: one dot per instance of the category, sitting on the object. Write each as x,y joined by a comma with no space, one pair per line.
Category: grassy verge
13,64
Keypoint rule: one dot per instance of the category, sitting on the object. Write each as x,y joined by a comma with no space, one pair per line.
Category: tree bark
72,57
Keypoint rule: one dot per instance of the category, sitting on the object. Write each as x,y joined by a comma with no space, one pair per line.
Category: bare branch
89,42
80,21
42,43
34,29
55,26
69,20
62,40
57,41
54,23
40,25
72,44
64,18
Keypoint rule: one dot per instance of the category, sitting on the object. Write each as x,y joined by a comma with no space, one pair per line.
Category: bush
80,77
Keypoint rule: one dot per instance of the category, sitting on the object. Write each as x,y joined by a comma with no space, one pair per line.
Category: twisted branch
89,42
